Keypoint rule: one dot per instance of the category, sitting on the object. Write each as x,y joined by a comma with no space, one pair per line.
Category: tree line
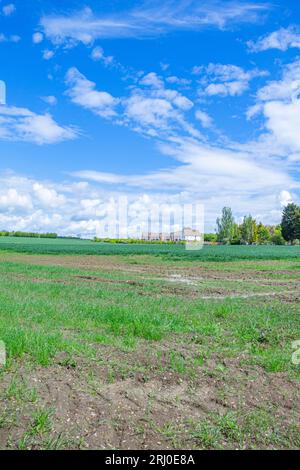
251,232
5,233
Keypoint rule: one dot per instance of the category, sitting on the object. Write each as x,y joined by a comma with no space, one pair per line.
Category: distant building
186,234
155,236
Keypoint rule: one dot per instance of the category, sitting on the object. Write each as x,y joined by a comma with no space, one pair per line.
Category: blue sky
172,101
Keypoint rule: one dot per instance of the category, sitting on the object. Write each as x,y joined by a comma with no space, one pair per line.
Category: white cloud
48,196
201,171
12,38
37,38
150,108
8,9
283,121
158,90
21,124
153,80
285,89
47,54
204,118
225,79
294,157
98,55
83,93
144,21
12,199
198,173
226,89
285,198
279,103
178,81
282,39
204,169
27,204
51,100
153,109
253,110
253,174
149,112
164,66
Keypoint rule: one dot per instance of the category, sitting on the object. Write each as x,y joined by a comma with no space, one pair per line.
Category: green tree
290,223
297,229
225,226
249,231
236,239
263,234
277,237
210,237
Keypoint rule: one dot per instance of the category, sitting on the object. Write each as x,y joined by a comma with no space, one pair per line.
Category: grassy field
145,347
175,252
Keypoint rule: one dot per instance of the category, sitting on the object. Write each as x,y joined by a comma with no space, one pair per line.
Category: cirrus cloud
149,19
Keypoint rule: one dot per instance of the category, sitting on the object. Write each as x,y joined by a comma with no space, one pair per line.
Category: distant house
155,236
187,234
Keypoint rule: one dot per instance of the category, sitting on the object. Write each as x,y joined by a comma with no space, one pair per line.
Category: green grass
253,430
173,252
89,324
40,319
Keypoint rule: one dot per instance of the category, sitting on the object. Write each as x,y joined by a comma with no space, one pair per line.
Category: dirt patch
112,281
232,270
156,409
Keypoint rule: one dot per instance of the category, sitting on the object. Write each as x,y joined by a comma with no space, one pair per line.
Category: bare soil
155,410
135,399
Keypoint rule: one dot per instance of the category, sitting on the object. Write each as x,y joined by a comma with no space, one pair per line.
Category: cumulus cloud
279,102
67,208
225,79
47,54
151,108
201,171
83,93
97,54
12,38
283,121
200,168
8,9
285,89
13,199
27,204
204,118
173,79
149,20
226,89
37,37
198,173
252,173
285,198
21,124
149,112
50,99
282,39
48,196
